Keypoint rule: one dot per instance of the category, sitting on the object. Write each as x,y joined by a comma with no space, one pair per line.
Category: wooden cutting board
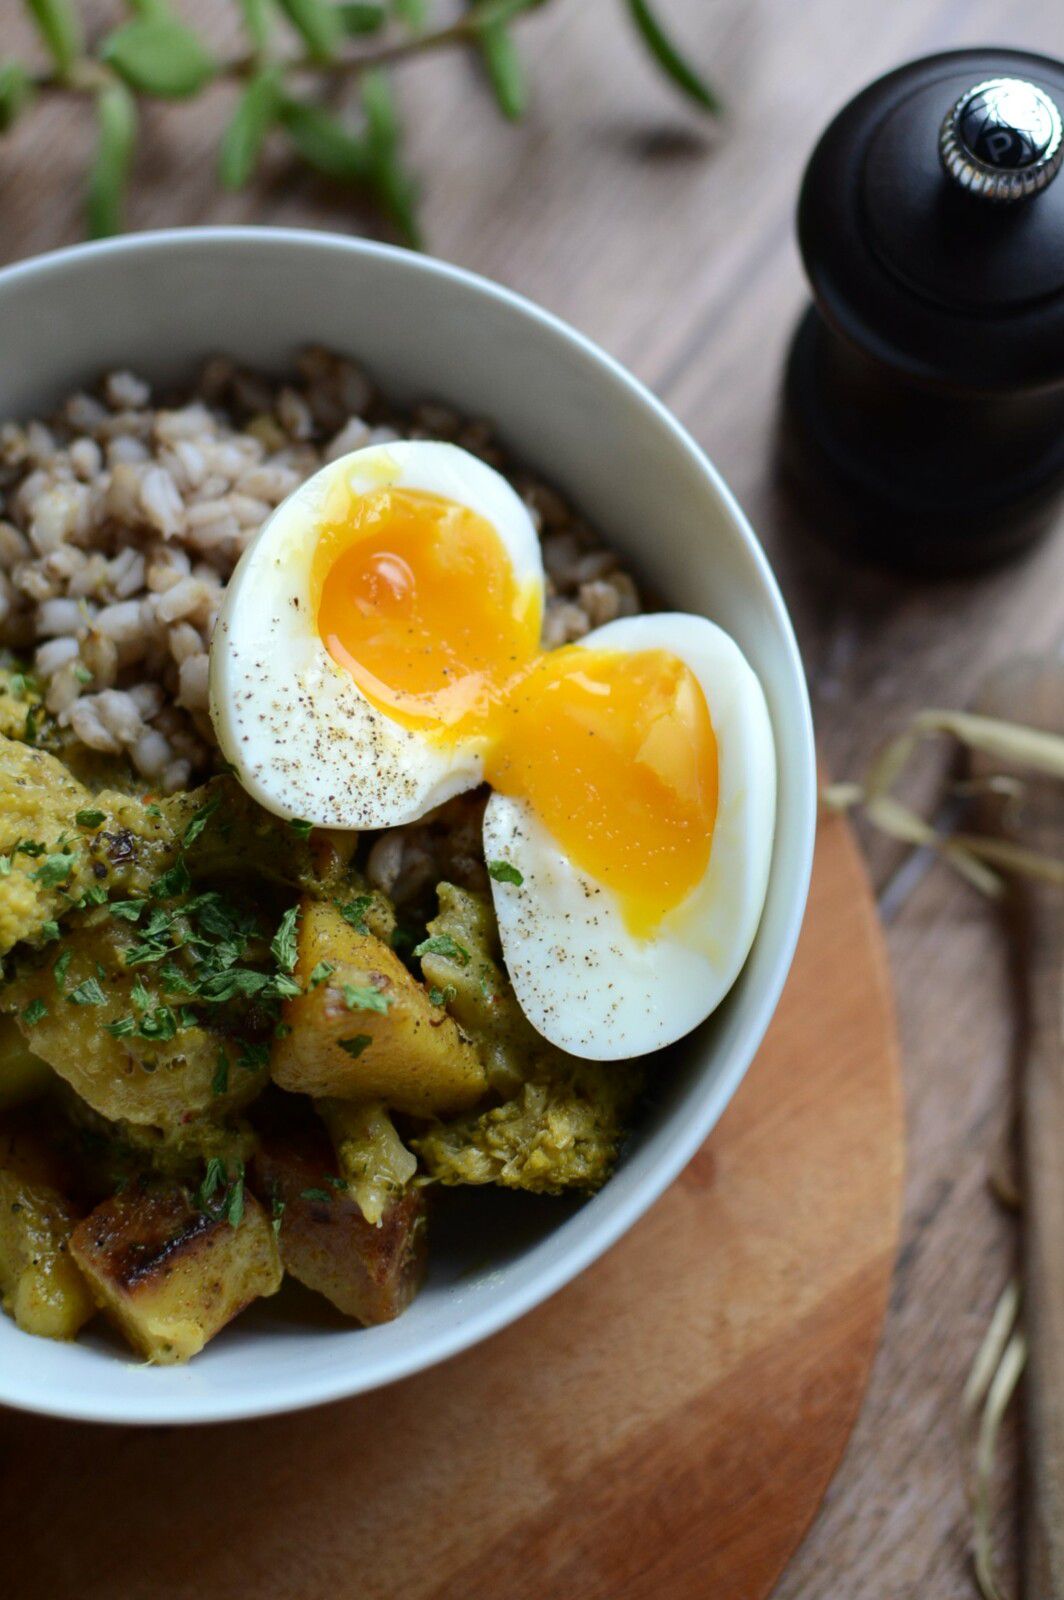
663,1429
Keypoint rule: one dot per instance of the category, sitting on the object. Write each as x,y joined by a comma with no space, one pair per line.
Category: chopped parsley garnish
128,910
54,869
173,882
213,1179
59,971
30,731
282,1030
300,828
154,811
444,996
356,1045
284,944
504,872
323,970
441,944
360,997
321,1195
200,820
140,996
87,993
220,1081
234,1207
121,1028
49,931
355,910
277,1206
160,1023
17,684
82,673
230,1202
254,1057
89,818
31,847
34,1012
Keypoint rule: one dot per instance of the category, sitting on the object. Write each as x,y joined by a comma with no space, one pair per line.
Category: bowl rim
321,1388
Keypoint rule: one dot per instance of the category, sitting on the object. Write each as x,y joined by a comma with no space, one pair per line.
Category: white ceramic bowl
158,303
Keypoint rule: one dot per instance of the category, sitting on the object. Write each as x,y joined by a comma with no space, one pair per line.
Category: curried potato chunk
369,1273
170,1275
367,1030
40,1286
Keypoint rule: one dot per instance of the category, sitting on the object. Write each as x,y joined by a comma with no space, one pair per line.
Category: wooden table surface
673,247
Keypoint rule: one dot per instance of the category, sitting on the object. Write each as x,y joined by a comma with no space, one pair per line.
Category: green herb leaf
444,996
302,829
414,13
116,125
160,56
173,882
253,1057
321,1195
87,993
395,189
324,143
82,673
34,1012
245,136
95,895
669,59
360,997
323,970
356,1045
285,942
200,819
159,1023
277,1208
121,1027
89,819
355,910
504,872
29,730
358,18
49,931
505,72
30,847
60,29
213,1179
317,24
256,22
234,1208
220,1081
59,971
441,944
16,91
54,869
128,910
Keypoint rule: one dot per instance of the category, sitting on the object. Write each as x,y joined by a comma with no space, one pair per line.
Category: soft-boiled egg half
368,631
378,652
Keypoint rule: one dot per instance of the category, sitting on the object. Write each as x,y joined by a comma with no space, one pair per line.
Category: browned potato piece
40,1286
369,1273
398,1048
170,1276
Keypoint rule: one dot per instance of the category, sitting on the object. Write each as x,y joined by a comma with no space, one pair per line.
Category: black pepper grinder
927,381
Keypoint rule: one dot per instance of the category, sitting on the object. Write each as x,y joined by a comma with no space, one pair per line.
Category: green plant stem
87,75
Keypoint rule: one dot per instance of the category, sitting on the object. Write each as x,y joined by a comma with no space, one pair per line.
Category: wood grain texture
1031,690
664,1427
673,246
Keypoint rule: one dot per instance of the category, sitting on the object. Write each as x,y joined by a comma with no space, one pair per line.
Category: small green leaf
121,1028
60,28
34,1012
505,872
256,14
15,92
285,941
324,143
54,869
323,970
301,829
89,818
441,944
354,912
322,1196
213,1178
395,189
414,13
234,1205
355,1046
220,1081
360,997
59,971
669,59
505,72
358,18
200,819
317,24
160,56
87,993
444,996
116,119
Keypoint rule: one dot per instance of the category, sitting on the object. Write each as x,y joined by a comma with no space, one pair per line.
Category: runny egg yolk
614,752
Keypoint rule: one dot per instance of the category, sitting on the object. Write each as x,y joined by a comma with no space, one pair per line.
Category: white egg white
304,740
583,980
